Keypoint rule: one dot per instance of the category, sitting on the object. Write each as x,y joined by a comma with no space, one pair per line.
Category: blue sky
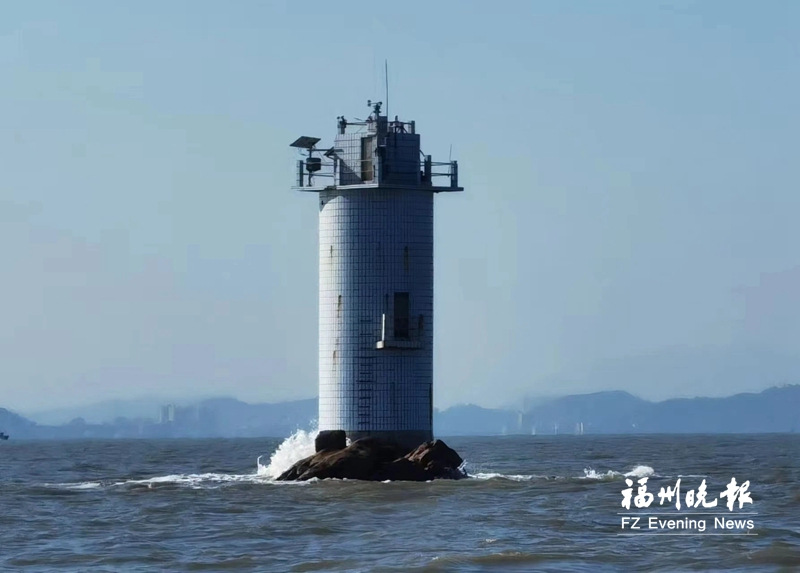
629,220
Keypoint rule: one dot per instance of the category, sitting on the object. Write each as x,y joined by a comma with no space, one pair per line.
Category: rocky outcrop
330,440
377,460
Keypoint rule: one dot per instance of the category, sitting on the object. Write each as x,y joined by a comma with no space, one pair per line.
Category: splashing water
589,473
641,471
510,477
293,449
637,472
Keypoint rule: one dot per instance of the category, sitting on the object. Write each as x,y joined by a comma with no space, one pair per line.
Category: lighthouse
375,190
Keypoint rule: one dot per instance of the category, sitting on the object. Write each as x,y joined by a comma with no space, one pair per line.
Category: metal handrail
329,169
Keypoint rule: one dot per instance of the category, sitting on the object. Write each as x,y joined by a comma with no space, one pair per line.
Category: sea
532,503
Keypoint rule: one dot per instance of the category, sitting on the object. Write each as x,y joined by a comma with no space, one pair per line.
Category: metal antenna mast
386,76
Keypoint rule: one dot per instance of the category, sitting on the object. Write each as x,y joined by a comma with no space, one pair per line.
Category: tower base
372,459
407,438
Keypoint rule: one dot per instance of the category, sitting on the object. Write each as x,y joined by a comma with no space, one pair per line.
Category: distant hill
471,420
101,412
689,371
773,410
14,424
213,417
233,418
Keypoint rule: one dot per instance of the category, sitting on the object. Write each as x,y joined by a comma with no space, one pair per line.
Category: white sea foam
641,471
193,480
509,477
637,472
79,486
298,446
293,449
301,445
188,480
589,473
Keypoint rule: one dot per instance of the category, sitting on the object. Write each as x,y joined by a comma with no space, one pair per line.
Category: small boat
3,436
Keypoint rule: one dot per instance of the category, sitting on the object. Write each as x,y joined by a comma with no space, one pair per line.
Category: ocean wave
301,445
195,481
77,486
293,449
639,471
503,559
190,480
266,474
509,477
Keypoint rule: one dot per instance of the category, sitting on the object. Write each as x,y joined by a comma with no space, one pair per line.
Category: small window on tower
401,315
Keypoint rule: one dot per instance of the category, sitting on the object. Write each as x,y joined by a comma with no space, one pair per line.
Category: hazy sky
631,217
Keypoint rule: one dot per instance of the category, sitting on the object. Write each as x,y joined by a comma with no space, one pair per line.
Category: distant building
167,414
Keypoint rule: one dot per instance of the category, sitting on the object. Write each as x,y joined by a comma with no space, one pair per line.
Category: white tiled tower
375,277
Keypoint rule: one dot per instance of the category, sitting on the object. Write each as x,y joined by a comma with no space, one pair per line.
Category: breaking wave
293,449
184,480
637,472
301,445
509,477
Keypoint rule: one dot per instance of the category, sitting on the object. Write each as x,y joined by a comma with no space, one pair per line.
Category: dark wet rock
377,460
436,452
330,440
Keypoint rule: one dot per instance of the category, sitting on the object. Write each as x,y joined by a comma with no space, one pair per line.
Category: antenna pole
386,76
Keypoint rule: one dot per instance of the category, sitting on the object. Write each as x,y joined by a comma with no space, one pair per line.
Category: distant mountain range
773,410
214,417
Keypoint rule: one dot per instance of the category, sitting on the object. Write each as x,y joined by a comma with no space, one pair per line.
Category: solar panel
305,142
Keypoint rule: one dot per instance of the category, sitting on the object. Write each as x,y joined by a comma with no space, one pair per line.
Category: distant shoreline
772,411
